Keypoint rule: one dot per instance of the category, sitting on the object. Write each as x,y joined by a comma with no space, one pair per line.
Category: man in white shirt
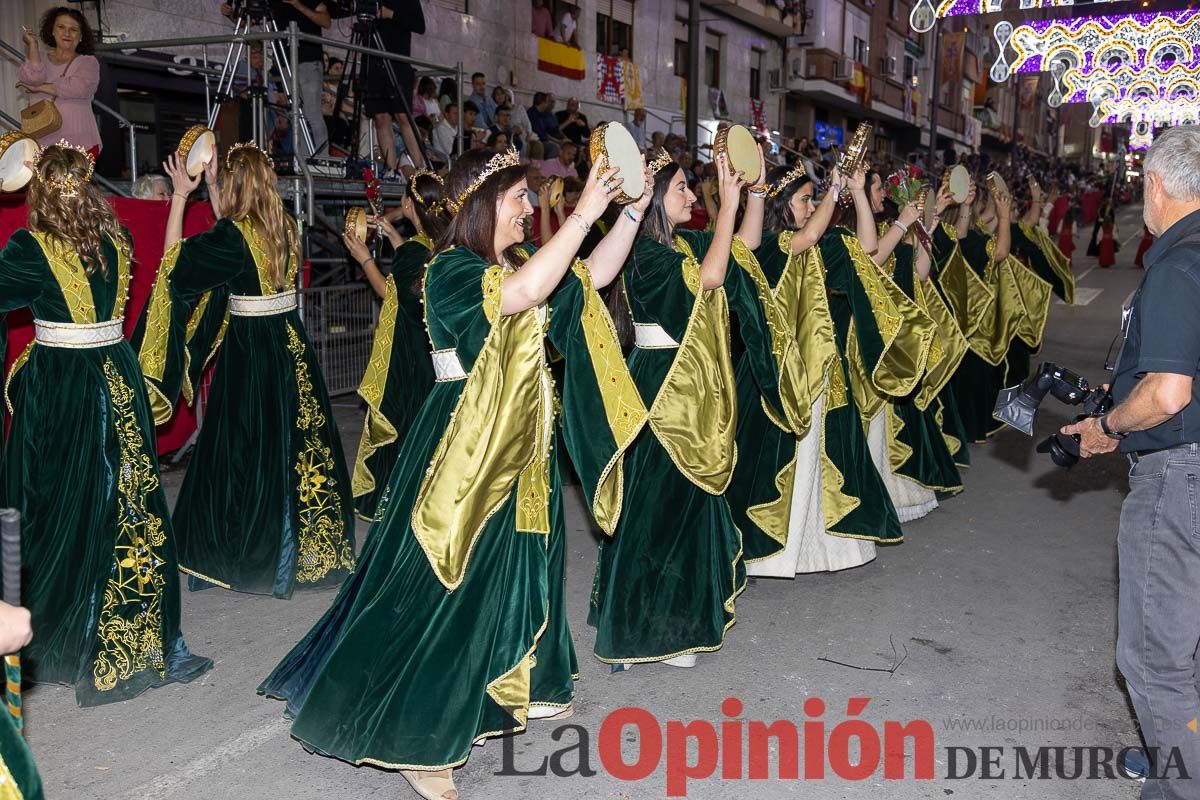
567,26
637,128
446,130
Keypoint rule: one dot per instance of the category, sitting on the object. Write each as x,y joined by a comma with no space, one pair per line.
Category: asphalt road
994,622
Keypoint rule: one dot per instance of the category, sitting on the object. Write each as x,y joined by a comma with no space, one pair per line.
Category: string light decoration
926,12
1141,136
1157,110
1080,86
1161,39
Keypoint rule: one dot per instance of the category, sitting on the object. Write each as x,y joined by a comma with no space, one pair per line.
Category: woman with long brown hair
98,552
265,506
400,373
453,628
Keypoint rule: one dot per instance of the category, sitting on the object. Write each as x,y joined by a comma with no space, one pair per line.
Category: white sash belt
447,367
248,305
68,334
649,336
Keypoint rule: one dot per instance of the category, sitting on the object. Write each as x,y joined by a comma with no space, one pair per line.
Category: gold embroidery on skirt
323,545
130,626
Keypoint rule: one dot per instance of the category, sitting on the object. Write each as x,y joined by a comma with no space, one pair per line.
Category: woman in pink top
68,74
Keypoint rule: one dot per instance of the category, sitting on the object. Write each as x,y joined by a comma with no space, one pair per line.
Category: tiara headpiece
794,174
243,146
509,158
427,173
660,161
67,185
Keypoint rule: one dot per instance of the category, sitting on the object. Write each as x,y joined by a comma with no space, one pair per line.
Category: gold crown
428,173
412,182
660,161
509,158
244,146
67,185
794,174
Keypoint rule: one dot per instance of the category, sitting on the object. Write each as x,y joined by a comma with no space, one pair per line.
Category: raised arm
1033,216
750,231
533,283
716,260
924,262
609,255
963,223
33,56
1003,229
895,234
818,221
182,185
360,253
864,217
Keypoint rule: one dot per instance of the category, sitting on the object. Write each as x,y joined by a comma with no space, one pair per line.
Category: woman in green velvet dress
453,628
400,373
265,506
809,502
907,440
98,551
1037,250
667,580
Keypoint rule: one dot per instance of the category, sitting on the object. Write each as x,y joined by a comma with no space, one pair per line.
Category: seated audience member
572,123
151,187
563,166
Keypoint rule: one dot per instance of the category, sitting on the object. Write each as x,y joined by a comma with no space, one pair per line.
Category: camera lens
1063,450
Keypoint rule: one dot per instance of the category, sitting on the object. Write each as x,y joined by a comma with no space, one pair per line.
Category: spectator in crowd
151,187
543,123
471,129
564,165
543,23
67,74
485,104
572,123
568,26
425,101
337,125
311,17
446,131
503,124
638,127
447,92
657,140
497,139
398,21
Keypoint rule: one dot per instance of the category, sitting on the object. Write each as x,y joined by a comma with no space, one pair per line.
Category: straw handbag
42,117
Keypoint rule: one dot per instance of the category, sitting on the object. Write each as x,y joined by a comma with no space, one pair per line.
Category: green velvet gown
1039,252
98,556
19,778
919,449
454,623
398,377
667,580
265,506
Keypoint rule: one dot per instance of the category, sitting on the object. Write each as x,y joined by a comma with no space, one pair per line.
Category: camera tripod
254,16
365,33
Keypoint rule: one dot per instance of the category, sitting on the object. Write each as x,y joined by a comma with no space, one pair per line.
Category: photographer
1156,423
398,21
311,17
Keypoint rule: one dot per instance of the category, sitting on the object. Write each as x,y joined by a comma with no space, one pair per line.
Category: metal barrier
340,322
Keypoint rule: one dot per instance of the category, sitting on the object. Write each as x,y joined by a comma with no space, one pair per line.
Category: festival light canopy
1139,41
926,12
1078,86
1157,111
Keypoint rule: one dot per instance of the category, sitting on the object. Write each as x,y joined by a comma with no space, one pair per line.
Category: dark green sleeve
1028,251
408,265
771,259
902,272
699,241
974,249
655,287
209,260
22,272
746,309
454,303
943,245
855,305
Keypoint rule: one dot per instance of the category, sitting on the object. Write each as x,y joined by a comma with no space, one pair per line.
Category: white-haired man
1156,423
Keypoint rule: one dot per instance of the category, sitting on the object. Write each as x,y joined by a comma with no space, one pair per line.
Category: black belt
1138,455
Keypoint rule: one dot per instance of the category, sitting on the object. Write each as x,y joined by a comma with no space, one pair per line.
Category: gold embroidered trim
71,278
130,625
259,254
12,373
323,543
378,431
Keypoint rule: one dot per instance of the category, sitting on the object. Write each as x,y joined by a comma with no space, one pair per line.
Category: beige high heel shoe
432,785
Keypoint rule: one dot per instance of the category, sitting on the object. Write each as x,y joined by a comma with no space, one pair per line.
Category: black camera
1017,407
255,10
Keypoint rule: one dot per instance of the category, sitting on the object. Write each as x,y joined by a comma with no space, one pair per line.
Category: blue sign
828,135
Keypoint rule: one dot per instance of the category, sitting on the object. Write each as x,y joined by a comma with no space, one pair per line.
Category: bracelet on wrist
583,224
632,217
901,226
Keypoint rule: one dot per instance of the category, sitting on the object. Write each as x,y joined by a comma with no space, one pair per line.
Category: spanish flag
560,59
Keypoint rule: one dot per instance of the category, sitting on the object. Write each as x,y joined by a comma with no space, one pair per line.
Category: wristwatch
1109,432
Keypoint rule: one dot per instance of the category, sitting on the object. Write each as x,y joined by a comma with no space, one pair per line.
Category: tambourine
356,224
855,153
15,149
197,147
615,145
556,191
960,184
737,144
996,185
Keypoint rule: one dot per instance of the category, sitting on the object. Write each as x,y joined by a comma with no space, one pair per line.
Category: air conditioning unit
887,67
795,63
775,81
843,68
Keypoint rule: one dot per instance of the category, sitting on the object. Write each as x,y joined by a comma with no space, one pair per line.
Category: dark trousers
1159,613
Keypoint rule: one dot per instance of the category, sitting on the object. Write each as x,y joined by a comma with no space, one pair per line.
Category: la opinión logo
855,749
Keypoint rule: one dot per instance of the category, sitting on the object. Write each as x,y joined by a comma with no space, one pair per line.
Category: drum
197,147
996,185
15,149
556,191
737,144
854,156
960,183
613,143
356,223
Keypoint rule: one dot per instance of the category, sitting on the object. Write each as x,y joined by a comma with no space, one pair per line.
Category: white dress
912,500
809,547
